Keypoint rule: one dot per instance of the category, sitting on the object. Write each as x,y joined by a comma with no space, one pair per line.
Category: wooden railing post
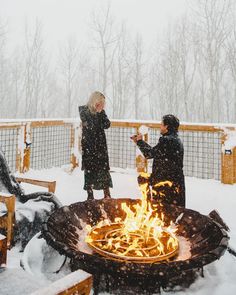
141,162
228,166
75,135
27,148
23,152
20,149
234,164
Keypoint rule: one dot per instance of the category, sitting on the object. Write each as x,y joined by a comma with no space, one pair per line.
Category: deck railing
40,144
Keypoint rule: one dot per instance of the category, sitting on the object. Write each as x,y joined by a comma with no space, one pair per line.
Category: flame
143,233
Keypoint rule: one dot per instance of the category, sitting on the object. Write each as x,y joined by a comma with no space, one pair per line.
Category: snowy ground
202,196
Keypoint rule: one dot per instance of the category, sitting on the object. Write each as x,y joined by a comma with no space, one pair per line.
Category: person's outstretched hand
136,137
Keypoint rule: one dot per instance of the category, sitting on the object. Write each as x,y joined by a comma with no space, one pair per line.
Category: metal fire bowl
64,228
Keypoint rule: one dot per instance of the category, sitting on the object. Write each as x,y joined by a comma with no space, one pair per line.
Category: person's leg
90,193
107,194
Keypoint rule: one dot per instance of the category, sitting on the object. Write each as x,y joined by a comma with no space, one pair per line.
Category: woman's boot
90,194
107,194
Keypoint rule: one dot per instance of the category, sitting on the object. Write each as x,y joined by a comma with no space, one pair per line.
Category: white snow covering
29,208
60,285
230,141
201,195
6,195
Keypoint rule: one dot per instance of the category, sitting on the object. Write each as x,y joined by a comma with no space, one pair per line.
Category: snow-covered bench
78,282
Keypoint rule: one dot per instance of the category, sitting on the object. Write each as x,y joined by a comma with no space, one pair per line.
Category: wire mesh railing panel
202,150
51,146
121,149
9,141
202,154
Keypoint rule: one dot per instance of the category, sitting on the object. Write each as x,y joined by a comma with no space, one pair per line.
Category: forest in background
188,70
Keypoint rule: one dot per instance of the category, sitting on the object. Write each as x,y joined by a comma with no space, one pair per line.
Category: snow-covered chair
31,210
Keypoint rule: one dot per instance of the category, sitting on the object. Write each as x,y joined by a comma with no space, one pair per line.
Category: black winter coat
94,145
167,164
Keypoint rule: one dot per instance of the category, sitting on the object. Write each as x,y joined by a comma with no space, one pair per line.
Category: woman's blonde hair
95,97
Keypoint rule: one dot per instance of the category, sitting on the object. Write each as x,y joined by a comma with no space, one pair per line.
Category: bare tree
4,72
16,83
121,77
231,61
169,74
187,56
106,39
214,27
36,68
138,74
69,65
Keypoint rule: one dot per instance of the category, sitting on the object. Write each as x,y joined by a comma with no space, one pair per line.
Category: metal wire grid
51,146
202,153
9,141
121,149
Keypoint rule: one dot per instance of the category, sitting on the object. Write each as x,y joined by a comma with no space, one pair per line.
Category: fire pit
112,241
142,236
97,242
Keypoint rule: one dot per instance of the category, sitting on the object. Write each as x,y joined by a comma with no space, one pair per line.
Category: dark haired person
95,161
167,178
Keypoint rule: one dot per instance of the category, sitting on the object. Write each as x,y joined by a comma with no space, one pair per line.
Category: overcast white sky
62,18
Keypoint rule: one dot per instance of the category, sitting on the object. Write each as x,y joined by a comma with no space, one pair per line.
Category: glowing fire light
142,236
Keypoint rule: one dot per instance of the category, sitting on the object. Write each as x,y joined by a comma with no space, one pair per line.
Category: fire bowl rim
156,268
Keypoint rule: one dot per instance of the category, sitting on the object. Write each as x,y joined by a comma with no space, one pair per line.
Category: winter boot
90,194
107,194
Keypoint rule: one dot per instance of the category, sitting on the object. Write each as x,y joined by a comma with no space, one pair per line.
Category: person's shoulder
83,108
164,138
168,138
174,139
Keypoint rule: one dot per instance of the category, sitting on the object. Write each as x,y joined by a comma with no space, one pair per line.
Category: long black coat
94,145
167,165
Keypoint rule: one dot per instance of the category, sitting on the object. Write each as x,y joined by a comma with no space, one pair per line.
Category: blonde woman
95,161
